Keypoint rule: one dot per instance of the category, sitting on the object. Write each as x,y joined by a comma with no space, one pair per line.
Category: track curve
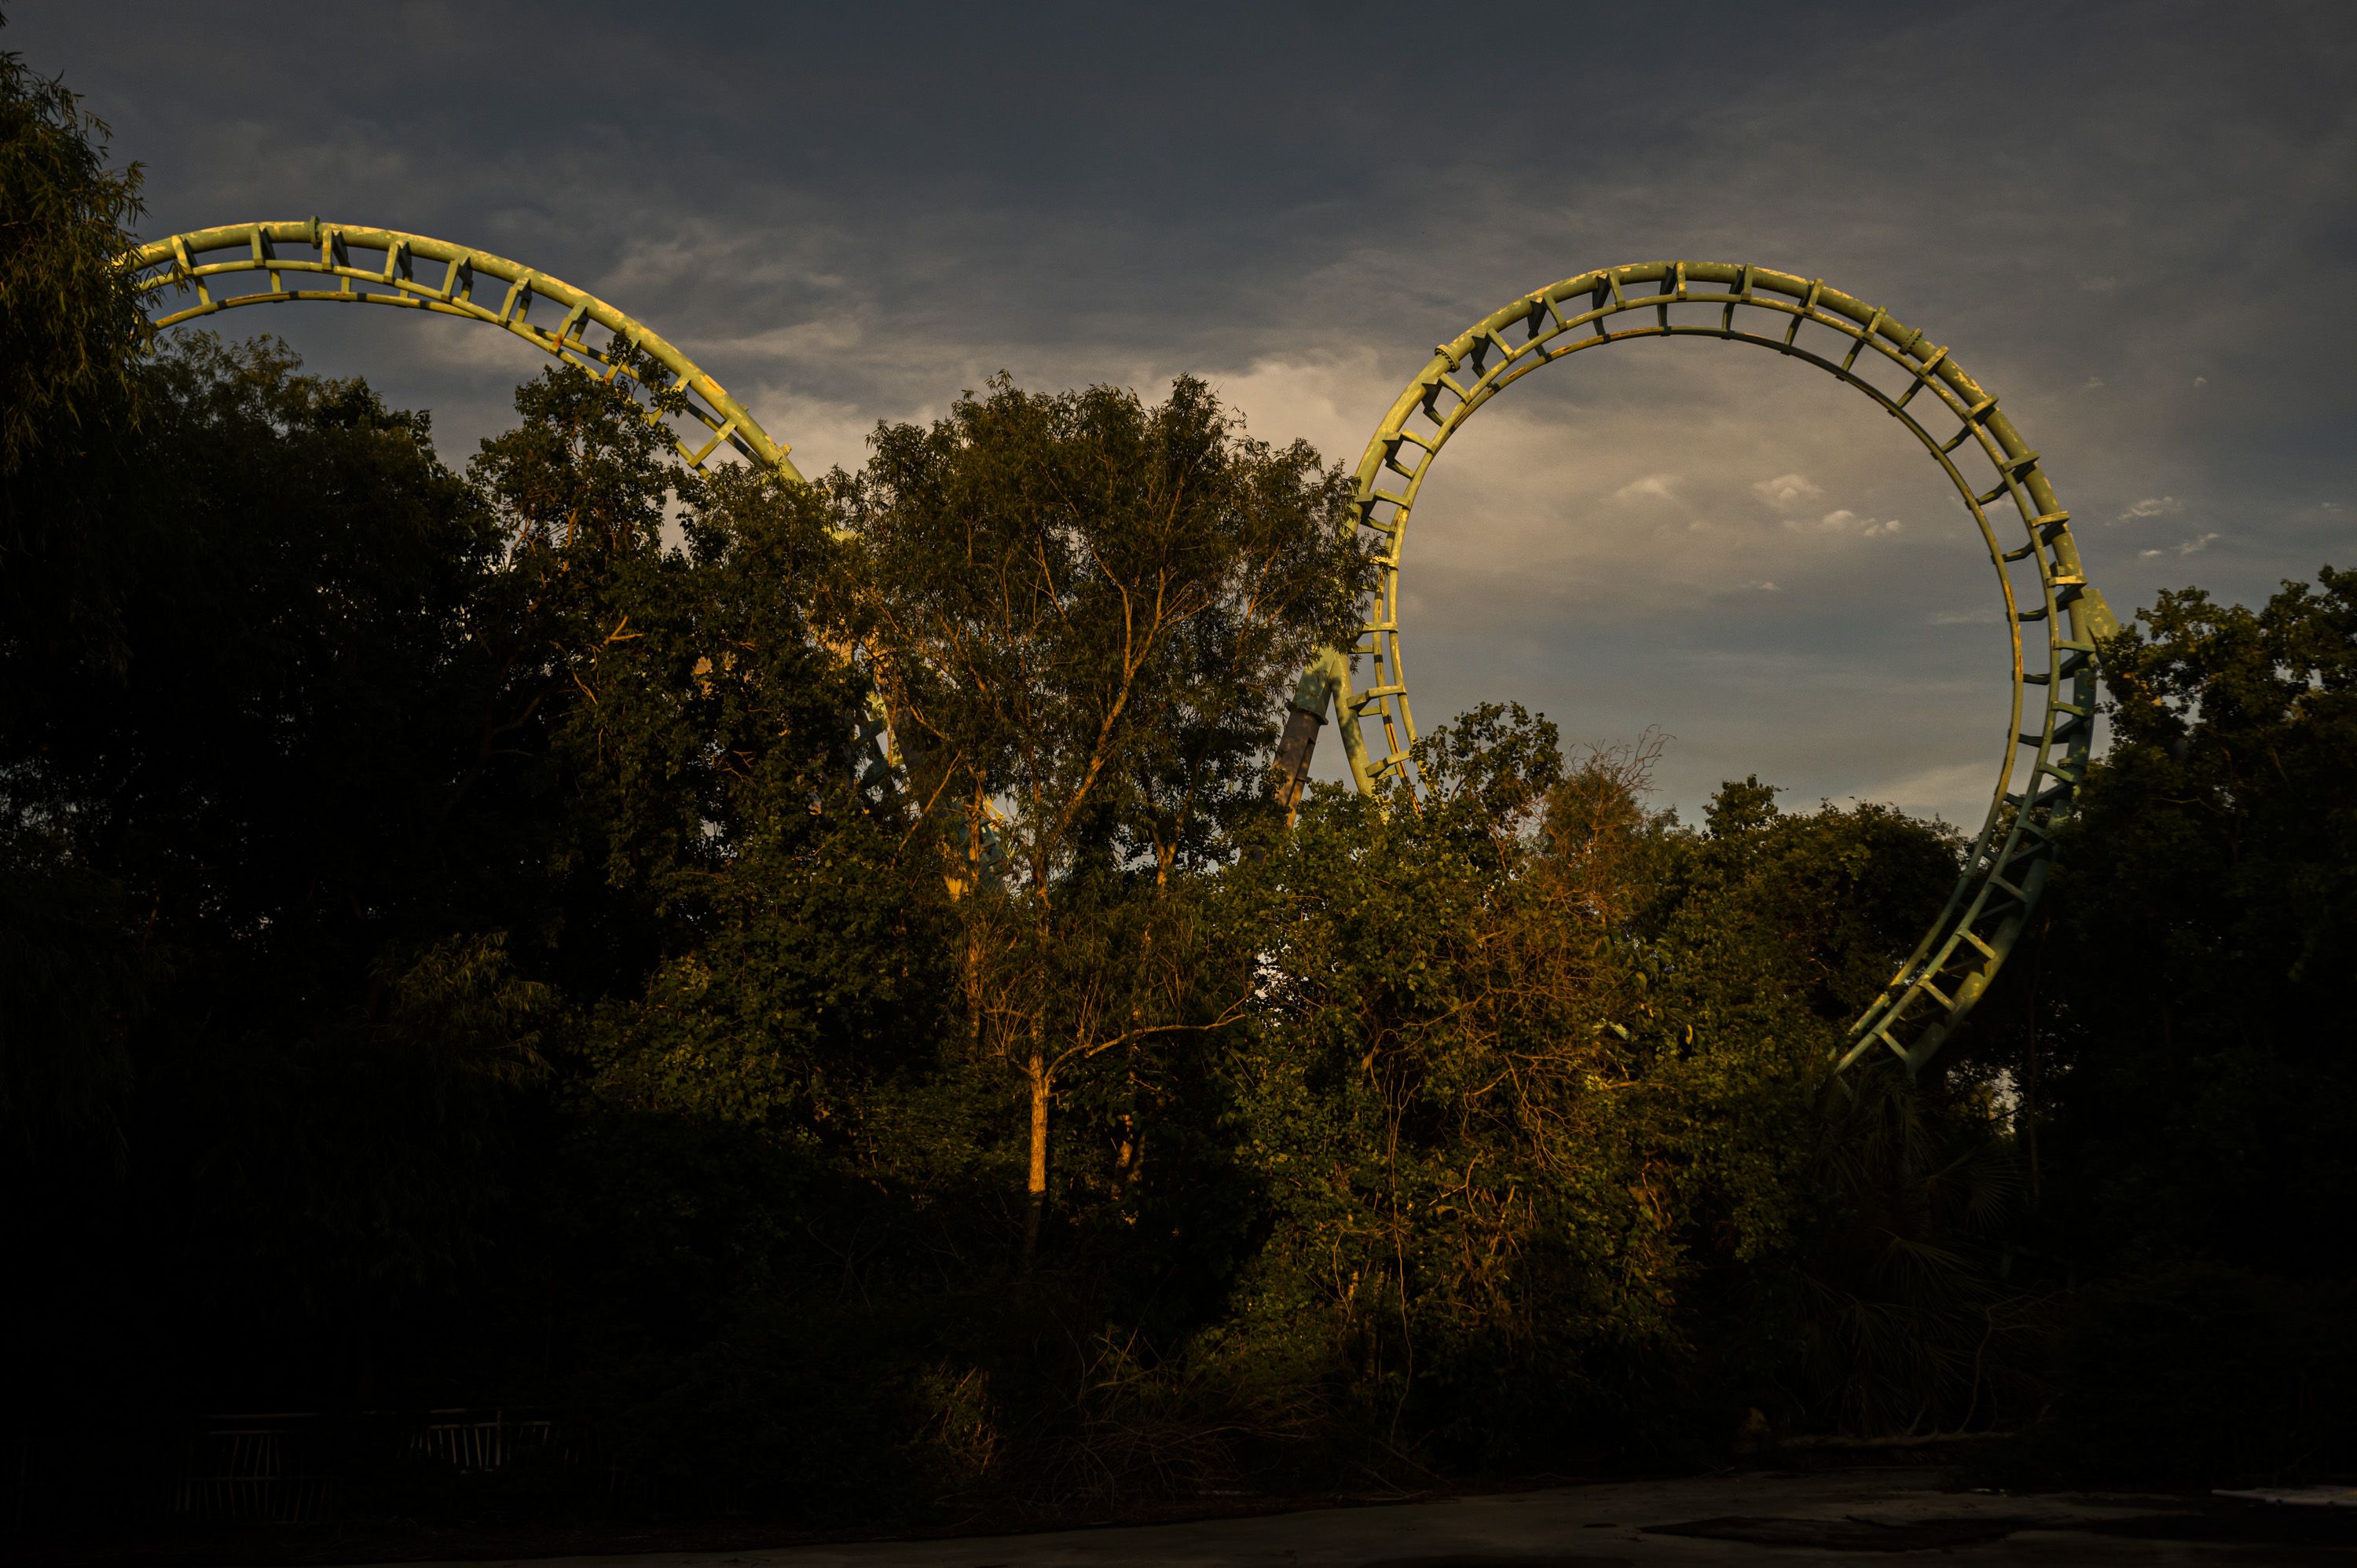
201,259
2041,580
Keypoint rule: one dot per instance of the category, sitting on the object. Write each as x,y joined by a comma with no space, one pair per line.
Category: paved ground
1763,1519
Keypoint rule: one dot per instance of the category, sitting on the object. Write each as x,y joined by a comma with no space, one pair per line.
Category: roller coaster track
300,260
2041,580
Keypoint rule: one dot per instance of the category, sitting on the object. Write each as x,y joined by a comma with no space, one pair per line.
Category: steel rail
197,261
2006,870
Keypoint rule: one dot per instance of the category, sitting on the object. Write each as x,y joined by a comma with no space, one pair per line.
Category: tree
2206,927
2181,1038
72,327
73,334
745,930
1536,1094
1081,611
1433,1098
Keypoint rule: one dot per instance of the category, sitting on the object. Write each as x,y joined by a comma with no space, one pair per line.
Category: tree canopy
460,947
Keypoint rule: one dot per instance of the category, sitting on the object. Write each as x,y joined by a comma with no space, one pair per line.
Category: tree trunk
1036,1188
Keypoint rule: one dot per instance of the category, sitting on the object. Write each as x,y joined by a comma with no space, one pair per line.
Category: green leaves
1082,614
1535,1072
2207,928
75,512
1085,609
72,327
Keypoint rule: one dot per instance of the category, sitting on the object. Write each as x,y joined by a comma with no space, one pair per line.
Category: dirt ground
1767,1519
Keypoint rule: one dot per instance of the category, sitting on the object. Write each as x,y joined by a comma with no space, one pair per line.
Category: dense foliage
809,986
2182,1037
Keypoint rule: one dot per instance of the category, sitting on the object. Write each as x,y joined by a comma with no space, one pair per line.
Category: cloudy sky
2136,223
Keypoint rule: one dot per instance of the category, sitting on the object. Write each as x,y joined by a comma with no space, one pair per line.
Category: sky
2136,223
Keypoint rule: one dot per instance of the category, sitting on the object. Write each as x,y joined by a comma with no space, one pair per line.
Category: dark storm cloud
2133,221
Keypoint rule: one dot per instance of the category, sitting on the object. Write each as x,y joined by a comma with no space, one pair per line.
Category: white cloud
824,434
817,338
1957,792
1321,397
2190,547
1656,486
501,355
2151,506
1845,521
1786,491
1766,588
1966,618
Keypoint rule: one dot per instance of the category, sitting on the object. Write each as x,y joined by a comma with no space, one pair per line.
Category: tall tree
71,525
2179,1045
1083,611
2217,846
72,336
742,925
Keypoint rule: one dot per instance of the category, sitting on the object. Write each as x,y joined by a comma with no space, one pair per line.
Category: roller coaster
1957,421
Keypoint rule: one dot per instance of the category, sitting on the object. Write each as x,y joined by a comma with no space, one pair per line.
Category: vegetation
457,948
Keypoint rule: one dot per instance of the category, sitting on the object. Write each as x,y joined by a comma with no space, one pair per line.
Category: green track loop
2039,768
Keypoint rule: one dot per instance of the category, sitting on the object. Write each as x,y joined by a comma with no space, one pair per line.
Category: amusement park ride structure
1958,423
